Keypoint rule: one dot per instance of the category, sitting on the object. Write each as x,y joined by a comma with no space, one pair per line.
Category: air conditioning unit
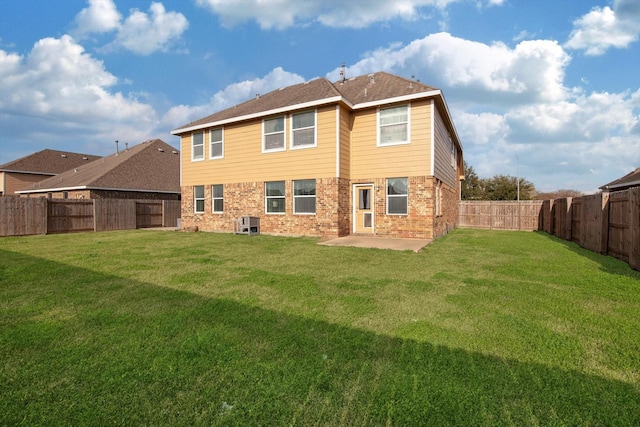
247,225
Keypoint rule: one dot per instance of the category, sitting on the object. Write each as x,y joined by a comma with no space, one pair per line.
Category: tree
500,187
472,185
504,187
558,194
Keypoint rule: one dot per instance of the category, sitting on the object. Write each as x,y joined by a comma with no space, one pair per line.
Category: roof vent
85,158
174,151
372,78
161,150
257,96
343,73
75,170
64,156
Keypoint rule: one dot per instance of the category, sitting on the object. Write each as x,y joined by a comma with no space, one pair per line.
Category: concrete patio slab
358,241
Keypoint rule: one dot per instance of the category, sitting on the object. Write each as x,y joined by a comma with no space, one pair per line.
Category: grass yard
167,328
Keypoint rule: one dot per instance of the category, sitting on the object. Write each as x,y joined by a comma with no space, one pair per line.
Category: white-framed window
273,135
198,198
216,142
397,196
393,125
197,146
217,198
274,197
303,130
304,196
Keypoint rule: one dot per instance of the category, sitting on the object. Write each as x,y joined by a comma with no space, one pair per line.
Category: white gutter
259,114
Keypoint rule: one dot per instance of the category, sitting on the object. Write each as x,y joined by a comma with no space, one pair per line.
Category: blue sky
546,88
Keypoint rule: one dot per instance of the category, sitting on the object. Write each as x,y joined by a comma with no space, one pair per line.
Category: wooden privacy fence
500,215
26,216
607,223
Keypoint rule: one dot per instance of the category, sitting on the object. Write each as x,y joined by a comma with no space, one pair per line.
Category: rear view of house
375,154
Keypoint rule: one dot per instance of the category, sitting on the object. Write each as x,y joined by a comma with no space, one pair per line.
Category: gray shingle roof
632,179
374,87
149,166
48,162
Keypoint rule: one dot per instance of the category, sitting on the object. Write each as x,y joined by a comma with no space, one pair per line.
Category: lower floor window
217,198
198,198
397,196
304,196
274,197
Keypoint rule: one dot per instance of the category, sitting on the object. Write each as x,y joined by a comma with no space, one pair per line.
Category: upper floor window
197,146
198,199
274,197
217,198
304,196
217,144
397,196
393,125
273,134
303,130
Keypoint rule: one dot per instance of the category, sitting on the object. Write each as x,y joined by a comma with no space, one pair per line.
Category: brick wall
334,209
247,199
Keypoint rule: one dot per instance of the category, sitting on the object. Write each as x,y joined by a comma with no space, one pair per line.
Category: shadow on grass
80,347
608,264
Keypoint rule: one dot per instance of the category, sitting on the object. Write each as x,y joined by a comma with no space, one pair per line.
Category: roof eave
87,187
265,113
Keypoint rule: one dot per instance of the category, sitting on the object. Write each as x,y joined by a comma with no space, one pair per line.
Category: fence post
634,228
604,223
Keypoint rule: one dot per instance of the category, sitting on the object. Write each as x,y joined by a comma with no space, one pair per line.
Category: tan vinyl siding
443,169
369,160
244,160
345,143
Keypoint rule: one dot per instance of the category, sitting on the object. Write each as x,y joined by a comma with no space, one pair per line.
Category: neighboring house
24,172
375,154
149,170
630,180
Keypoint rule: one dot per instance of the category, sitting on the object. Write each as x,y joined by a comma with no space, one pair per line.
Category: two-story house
375,154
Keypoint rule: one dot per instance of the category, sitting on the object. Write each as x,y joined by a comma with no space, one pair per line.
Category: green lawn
168,328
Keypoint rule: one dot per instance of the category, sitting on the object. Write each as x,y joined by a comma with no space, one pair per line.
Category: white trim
195,201
315,130
266,198
338,142
275,111
614,186
284,134
379,127
315,197
397,99
211,156
204,150
354,203
387,195
433,141
213,200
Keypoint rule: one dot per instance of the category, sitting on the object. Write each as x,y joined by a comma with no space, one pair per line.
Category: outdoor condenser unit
247,225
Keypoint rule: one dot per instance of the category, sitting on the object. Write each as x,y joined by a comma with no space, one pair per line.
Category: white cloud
141,33
100,17
533,70
144,34
281,14
604,28
231,95
59,88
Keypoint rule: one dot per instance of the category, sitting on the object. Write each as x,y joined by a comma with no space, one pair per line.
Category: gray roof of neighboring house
632,179
48,162
151,166
361,90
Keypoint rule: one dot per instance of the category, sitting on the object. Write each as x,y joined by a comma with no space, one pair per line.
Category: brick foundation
334,209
